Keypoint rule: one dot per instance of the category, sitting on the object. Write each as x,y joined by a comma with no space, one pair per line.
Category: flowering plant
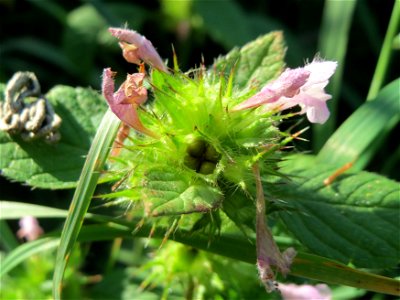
208,158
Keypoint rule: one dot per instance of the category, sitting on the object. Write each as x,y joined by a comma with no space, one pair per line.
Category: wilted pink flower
29,228
305,292
136,48
301,86
126,100
268,253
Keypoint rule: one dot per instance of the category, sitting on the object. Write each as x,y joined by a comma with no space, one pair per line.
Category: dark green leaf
353,220
55,166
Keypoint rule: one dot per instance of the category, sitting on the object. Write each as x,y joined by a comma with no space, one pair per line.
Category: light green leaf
57,166
255,63
170,194
14,210
361,130
353,220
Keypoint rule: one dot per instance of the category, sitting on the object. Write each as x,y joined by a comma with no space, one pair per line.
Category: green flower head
206,135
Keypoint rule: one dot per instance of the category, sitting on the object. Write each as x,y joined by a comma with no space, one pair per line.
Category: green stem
384,57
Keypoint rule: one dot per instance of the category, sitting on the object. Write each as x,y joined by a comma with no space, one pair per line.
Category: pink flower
126,100
305,292
136,48
29,228
301,86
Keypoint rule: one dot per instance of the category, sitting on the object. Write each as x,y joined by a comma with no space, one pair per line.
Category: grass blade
15,210
384,57
361,130
334,33
305,265
83,194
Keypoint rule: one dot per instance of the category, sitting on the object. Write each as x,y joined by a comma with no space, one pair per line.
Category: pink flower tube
136,48
301,86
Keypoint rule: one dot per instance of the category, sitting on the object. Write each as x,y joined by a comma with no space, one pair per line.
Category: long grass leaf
333,38
15,210
305,265
362,129
83,194
384,57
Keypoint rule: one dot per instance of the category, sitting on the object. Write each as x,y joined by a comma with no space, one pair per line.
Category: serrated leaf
57,166
170,193
255,63
353,220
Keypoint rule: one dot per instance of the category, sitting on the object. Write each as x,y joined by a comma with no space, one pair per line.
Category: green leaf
352,220
57,166
255,63
386,51
361,130
88,179
15,210
169,193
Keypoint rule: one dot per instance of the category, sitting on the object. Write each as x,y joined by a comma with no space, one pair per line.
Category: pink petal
305,292
320,71
316,109
29,228
134,90
123,106
286,85
139,48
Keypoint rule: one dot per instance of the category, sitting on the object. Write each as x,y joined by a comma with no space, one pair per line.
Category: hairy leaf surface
255,63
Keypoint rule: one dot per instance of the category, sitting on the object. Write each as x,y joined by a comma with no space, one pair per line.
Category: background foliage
66,42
